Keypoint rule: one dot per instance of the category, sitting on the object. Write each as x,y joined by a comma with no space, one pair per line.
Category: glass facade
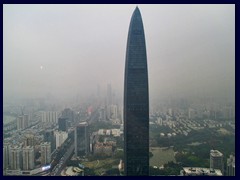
62,124
136,101
81,139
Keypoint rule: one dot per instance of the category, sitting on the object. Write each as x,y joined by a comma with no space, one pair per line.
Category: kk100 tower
136,101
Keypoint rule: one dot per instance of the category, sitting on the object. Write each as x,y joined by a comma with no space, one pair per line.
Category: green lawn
161,156
100,166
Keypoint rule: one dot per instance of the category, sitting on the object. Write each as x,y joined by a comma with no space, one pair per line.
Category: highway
59,167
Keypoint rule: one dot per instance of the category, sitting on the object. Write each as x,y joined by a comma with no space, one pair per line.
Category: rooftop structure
199,171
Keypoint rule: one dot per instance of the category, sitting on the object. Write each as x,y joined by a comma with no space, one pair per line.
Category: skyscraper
216,160
62,124
49,137
109,100
81,139
136,101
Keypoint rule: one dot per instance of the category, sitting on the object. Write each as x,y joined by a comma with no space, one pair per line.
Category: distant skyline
67,50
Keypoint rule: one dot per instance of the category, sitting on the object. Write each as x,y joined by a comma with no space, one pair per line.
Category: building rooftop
216,153
83,124
199,171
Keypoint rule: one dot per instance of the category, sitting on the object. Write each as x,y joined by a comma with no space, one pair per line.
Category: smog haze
66,50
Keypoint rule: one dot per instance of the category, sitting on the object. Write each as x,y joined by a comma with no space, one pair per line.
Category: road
59,167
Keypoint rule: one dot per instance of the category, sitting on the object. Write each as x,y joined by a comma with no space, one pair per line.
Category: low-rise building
199,171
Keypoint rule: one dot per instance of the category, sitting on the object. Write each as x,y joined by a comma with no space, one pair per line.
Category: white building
231,166
15,157
191,113
6,147
216,160
199,171
61,136
50,116
45,153
23,122
159,121
28,158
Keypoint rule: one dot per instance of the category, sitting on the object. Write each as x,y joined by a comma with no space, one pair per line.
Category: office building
81,138
69,115
62,124
216,160
136,101
49,137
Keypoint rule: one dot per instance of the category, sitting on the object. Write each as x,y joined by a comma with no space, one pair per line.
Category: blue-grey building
136,101
62,124
81,139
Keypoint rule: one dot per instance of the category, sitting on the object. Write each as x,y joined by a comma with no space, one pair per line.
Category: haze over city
69,50
119,90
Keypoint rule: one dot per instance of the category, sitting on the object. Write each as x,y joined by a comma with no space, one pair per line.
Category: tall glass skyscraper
81,139
136,101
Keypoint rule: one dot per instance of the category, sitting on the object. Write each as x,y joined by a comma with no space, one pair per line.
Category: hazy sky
69,49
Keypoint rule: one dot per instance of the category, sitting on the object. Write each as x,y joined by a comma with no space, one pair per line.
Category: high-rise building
29,140
23,122
228,112
69,115
28,157
191,113
109,95
231,166
62,124
114,112
6,155
109,100
102,114
50,116
49,137
216,160
61,136
159,121
136,101
81,139
45,153
15,157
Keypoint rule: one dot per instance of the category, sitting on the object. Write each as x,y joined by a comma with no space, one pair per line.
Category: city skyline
63,49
